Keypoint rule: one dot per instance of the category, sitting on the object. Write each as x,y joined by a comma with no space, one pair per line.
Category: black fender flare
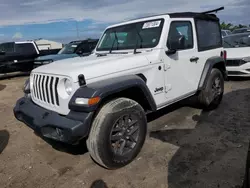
212,62
109,87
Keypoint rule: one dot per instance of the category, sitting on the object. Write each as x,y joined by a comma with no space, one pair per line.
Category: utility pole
77,31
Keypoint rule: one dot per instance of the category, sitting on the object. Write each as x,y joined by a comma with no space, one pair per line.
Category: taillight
223,54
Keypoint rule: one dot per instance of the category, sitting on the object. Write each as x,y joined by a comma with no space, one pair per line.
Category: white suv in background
237,47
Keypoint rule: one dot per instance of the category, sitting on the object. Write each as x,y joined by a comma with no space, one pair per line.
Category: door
182,67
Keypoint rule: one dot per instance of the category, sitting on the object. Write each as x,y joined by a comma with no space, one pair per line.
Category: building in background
43,44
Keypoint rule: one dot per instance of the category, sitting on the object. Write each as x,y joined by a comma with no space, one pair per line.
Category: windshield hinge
166,67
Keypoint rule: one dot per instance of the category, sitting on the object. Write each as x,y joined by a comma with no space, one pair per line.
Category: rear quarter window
208,35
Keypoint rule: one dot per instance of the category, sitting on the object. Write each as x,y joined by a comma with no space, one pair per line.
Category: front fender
108,87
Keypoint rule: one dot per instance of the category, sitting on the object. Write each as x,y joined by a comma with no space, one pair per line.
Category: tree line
231,27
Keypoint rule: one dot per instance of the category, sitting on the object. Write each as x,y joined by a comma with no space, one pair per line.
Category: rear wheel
118,133
210,97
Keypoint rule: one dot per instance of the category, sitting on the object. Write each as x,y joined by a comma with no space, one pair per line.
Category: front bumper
68,129
242,70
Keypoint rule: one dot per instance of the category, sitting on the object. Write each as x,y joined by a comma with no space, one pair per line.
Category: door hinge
168,88
166,67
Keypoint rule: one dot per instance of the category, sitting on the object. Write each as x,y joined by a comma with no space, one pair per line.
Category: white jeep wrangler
138,67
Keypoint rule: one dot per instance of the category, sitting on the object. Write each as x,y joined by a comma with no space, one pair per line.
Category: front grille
45,88
236,73
234,62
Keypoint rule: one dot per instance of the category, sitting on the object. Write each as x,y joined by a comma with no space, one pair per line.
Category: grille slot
234,62
45,89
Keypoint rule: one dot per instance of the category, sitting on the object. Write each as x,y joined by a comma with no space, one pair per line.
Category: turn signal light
87,101
93,101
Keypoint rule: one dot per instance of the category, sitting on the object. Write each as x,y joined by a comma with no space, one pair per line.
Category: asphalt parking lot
185,147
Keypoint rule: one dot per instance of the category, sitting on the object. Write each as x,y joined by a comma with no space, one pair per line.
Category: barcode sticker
151,24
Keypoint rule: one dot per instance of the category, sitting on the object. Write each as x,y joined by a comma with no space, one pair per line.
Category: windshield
236,41
145,34
69,48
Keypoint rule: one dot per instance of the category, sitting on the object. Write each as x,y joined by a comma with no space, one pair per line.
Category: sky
59,19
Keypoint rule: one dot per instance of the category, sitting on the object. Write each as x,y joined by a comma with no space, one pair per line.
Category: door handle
192,59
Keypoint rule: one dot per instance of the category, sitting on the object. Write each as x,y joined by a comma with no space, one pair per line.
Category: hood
55,57
237,53
93,66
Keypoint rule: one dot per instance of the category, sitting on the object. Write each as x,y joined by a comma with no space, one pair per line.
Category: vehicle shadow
235,78
4,139
81,148
213,154
78,149
13,75
2,87
189,102
98,184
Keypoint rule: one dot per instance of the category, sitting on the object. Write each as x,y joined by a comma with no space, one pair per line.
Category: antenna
215,10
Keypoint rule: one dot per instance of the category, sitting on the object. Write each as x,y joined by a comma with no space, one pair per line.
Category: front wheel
210,97
118,133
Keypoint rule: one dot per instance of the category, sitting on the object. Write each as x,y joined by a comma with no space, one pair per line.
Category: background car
20,56
225,33
241,30
73,49
237,47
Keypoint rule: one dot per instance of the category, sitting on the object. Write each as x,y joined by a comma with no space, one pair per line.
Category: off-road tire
98,141
205,97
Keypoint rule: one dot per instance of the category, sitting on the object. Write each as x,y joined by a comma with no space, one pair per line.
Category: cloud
110,11
2,35
17,35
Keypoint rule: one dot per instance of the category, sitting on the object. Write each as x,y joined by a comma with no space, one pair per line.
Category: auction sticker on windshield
151,24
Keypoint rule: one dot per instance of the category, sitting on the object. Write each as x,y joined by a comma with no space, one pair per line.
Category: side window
25,48
7,47
208,35
84,48
92,45
180,35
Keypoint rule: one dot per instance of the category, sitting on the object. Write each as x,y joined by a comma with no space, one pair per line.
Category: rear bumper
68,129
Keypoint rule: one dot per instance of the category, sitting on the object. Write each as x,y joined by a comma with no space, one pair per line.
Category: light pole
77,31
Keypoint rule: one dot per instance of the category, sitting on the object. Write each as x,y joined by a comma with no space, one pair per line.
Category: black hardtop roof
84,41
197,15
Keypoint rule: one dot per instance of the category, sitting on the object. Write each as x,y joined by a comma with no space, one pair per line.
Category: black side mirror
170,51
175,44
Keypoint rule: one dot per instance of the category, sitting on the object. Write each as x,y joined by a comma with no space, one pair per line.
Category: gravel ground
185,147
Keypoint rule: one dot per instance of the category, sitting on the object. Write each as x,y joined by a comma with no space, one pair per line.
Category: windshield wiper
116,39
135,52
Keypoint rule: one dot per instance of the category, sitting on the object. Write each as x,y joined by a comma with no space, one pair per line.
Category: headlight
38,62
26,86
68,86
246,59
